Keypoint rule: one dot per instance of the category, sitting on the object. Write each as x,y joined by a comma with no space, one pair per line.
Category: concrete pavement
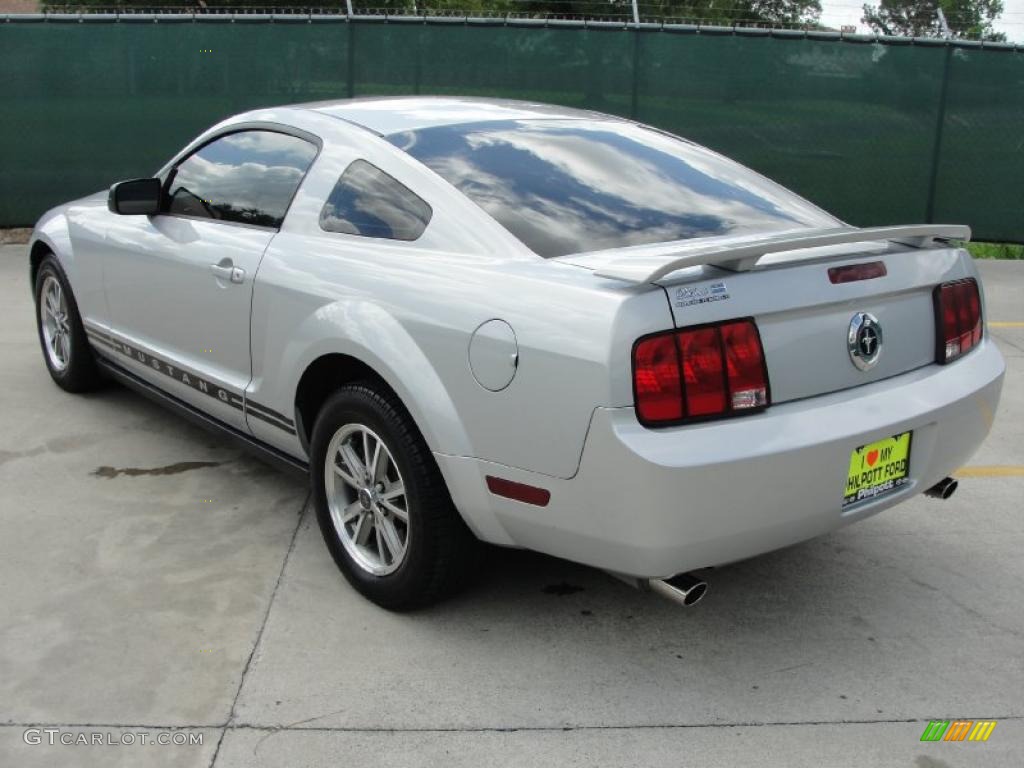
200,600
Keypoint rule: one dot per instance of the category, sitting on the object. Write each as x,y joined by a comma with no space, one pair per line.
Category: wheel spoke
389,533
346,477
393,492
64,346
379,464
351,511
355,466
386,555
363,528
367,461
397,511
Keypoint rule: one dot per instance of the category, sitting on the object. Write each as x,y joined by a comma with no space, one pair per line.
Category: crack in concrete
259,635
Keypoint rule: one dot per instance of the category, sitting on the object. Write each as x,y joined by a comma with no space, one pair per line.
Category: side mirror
135,197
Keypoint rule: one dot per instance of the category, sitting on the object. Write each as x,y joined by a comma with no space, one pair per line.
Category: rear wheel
382,505
65,346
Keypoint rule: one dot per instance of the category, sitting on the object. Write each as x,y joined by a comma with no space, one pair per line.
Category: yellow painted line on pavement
1006,325
1012,470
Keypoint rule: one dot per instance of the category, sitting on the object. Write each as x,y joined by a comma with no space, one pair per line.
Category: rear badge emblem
688,295
864,340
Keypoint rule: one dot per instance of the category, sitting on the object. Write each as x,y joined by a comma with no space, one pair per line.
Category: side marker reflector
528,494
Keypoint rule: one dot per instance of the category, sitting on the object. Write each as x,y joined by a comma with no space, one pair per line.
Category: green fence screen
876,132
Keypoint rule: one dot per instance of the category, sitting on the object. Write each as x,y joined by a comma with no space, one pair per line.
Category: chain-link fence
876,130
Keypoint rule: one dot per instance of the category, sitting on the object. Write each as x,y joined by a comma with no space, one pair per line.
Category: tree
970,19
716,12
787,11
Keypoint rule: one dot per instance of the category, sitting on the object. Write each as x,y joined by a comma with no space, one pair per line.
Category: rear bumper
653,503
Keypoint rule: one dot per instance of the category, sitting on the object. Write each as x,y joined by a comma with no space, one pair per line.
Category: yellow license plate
877,468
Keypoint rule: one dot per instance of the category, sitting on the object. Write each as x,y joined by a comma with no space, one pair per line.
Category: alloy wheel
53,316
367,499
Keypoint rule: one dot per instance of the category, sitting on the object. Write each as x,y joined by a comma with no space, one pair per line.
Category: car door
179,284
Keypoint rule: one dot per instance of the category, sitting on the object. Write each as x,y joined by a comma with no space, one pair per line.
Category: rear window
568,186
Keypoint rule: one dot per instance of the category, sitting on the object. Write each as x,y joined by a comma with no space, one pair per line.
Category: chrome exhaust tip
943,489
684,588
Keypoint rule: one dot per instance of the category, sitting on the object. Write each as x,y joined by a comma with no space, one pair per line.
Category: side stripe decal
270,420
190,379
269,412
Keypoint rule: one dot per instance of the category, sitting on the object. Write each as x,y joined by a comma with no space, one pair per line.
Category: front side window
569,186
247,177
368,202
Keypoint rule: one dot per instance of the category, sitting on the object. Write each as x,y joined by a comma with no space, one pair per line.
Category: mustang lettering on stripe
190,379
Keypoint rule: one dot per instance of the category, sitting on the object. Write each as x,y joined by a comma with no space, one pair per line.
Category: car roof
389,115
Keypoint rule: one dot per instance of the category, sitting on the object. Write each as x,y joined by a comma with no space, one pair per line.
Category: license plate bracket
878,469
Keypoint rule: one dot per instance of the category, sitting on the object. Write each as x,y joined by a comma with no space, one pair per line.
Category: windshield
569,186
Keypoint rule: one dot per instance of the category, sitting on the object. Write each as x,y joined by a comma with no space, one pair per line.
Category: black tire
441,550
80,374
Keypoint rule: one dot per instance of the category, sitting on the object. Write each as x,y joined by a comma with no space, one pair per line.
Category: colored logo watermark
958,730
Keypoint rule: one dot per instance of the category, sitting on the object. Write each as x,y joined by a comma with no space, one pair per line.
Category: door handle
229,273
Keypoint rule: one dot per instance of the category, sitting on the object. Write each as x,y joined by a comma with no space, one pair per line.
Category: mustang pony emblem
864,340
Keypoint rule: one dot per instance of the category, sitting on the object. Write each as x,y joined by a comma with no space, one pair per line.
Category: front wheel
65,347
383,508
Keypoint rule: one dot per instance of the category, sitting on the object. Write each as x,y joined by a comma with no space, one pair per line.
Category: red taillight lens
722,368
656,379
703,371
957,319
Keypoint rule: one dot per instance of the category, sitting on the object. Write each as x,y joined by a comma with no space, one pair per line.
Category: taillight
701,372
957,319
748,378
656,379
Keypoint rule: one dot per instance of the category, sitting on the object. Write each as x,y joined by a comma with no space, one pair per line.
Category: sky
836,13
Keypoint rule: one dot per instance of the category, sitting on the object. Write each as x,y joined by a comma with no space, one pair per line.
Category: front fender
74,232
52,233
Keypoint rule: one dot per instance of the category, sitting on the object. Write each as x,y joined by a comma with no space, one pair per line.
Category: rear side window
249,177
368,202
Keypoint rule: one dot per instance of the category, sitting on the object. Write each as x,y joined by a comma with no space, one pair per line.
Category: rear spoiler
742,256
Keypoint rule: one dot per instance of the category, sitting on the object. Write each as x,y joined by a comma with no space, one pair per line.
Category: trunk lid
804,319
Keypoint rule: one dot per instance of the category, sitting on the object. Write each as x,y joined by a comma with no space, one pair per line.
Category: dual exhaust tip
687,590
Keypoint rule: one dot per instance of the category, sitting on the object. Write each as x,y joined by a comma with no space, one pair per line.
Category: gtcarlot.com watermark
75,738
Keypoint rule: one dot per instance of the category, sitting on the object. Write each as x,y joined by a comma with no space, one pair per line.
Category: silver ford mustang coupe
490,321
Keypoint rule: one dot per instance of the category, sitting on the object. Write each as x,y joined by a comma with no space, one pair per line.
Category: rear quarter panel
408,310
409,314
